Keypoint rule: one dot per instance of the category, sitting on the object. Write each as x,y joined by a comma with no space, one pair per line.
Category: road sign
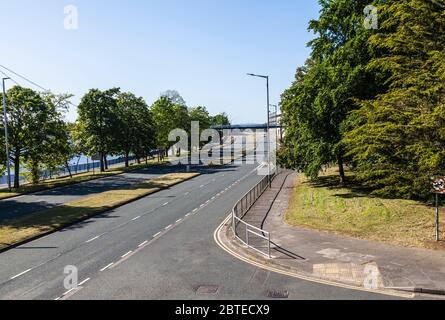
439,185
439,188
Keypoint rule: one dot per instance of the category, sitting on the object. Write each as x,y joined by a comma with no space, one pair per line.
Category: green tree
221,119
398,139
98,121
58,149
325,91
136,133
32,129
167,116
201,115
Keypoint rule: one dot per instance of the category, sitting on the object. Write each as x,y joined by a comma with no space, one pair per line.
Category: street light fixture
268,122
5,119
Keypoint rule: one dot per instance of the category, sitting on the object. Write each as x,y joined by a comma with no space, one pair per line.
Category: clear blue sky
201,48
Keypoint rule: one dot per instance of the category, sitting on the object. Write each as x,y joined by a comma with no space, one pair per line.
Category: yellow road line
217,238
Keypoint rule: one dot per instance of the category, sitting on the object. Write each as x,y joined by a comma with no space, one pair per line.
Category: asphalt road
27,204
160,247
22,205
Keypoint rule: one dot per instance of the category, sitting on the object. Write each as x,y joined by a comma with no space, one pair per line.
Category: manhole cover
203,290
278,294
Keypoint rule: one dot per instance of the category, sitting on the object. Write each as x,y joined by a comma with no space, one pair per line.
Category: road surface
159,247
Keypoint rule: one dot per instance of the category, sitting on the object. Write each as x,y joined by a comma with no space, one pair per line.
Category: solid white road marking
83,282
67,292
105,268
20,274
143,244
127,254
91,240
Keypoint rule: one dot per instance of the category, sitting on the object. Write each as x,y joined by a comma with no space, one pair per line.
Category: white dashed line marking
91,240
83,282
177,221
194,210
168,227
143,244
134,219
165,204
187,193
20,274
188,214
202,186
105,268
127,254
157,234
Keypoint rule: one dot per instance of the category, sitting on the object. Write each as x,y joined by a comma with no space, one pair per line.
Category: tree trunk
68,168
77,164
102,165
35,173
17,170
341,170
106,162
127,164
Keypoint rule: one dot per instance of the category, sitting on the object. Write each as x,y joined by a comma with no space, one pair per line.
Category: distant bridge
246,127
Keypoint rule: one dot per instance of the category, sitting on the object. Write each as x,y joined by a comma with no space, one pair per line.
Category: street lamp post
5,119
268,123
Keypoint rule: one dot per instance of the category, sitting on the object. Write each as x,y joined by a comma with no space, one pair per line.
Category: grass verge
324,206
66,181
28,227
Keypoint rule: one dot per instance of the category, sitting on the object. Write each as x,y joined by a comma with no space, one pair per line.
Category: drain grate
206,290
278,294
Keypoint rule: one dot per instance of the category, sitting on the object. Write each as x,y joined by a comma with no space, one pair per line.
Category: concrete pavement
340,259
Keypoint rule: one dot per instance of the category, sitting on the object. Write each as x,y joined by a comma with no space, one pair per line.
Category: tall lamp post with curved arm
268,122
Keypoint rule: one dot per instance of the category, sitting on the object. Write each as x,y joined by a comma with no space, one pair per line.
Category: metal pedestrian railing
253,237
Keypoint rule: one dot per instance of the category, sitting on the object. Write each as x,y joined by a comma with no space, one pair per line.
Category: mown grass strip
322,205
66,181
31,226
